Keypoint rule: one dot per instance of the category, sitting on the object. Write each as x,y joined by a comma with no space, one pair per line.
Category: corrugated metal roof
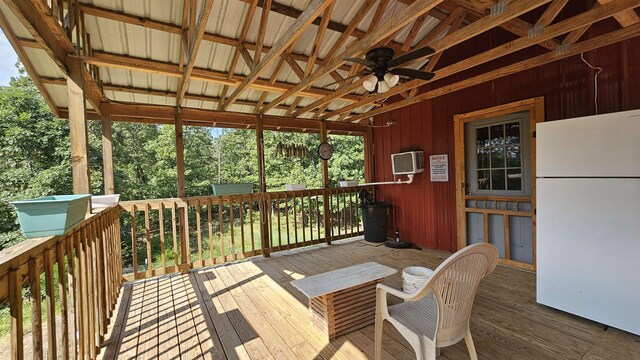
226,19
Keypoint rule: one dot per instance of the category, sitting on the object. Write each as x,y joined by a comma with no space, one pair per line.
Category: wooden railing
167,235
81,274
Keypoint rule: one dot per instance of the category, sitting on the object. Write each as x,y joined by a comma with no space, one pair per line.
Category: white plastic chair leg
379,327
429,350
470,345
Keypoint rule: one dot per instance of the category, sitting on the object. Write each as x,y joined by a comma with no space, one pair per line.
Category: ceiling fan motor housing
381,57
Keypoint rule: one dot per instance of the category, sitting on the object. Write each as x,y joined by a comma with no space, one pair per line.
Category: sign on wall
439,168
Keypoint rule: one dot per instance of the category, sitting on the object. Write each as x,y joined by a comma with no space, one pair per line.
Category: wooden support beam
325,184
107,153
158,114
175,29
369,153
262,187
551,12
100,58
46,30
570,25
194,46
409,14
583,46
625,18
515,26
322,29
78,128
185,252
312,11
264,19
26,62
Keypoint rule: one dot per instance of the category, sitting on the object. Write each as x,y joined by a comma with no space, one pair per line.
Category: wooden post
78,128
107,152
185,252
325,183
369,167
264,227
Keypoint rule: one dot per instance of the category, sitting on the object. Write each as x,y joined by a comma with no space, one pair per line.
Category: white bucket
413,277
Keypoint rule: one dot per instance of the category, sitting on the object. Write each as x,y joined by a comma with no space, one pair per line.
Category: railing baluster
253,246
232,224
242,228
15,309
62,295
304,228
270,223
161,228
212,255
220,212
147,235
174,233
73,291
80,303
310,217
36,310
134,246
89,294
199,235
318,218
286,213
100,266
279,225
295,217
50,303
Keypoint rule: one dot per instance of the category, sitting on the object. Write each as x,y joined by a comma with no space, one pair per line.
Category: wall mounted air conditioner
407,163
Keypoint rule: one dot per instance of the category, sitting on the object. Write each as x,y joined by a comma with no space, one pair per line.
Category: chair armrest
385,289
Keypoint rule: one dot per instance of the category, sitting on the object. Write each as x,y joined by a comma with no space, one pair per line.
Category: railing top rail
19,254
187,201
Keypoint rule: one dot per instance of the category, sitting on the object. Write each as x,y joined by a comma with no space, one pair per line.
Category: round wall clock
325,150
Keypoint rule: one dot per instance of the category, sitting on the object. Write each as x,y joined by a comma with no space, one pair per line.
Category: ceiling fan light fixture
370,83
391,79
382,87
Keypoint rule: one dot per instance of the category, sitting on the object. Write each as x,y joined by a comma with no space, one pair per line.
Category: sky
8,61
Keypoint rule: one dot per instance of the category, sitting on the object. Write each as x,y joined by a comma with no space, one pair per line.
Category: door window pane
482,137
499,157
512,131
497,135
483,158
513,156
497,180
514,179
483,180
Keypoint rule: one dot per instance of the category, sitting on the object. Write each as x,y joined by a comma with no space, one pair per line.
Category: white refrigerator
588,217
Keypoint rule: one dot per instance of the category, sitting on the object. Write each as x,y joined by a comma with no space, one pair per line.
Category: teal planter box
232,189
51,215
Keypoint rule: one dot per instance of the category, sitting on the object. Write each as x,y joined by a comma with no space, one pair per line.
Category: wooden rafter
175,29
551,12
516,26
583,46
312,11
409,14
24,59
576,22
50,35
625,18
100,58
194,45
451,40
262,30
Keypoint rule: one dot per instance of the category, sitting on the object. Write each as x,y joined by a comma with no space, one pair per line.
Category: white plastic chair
442,319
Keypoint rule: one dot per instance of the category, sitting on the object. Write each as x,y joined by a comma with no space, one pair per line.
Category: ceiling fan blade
361,74
364,62
423,75
411,55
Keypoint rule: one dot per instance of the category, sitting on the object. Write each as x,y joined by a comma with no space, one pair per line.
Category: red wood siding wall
424,211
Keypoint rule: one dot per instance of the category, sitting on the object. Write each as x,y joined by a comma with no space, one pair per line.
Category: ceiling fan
384,71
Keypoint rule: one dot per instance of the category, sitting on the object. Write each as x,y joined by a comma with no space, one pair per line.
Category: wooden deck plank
148,330
167,327
187,337
250,310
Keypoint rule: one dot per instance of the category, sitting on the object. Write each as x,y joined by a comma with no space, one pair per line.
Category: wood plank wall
424,211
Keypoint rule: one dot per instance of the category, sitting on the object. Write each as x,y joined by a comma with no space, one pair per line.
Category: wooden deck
249,310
